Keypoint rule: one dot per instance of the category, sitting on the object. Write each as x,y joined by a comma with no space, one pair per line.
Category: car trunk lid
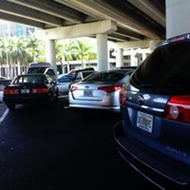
146,111
146,119
91,91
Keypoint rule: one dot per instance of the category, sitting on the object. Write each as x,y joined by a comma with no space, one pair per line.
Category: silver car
100,90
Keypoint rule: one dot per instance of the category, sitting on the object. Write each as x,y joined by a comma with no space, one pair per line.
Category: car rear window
36,70
168,65
30,79
107,76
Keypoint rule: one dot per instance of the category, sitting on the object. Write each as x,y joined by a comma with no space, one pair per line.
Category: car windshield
30,79
166,66
105,76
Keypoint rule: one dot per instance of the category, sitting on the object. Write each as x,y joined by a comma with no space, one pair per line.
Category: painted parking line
4,115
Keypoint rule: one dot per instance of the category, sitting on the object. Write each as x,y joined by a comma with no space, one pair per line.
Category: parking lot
61,149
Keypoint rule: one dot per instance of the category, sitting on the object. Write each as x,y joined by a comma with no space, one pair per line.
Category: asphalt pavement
58,148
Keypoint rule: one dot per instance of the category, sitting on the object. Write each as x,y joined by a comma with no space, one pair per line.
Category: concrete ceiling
136,20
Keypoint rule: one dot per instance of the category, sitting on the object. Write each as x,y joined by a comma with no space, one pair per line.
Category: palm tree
2,50
19,53
35,47
22,51
83,51
64,50
4,53
91,57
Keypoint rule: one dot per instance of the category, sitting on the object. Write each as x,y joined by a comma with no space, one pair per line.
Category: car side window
17,80
50,72
48,79
79,77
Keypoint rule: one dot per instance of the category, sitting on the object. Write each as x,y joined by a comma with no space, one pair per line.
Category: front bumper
158,169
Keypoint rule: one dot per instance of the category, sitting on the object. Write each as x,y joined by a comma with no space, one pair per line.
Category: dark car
4,81
43,68
154,133
30,89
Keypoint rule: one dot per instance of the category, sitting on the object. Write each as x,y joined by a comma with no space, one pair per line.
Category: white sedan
99,91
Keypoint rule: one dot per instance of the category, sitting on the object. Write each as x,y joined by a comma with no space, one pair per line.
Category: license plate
87,93
25,91
145,121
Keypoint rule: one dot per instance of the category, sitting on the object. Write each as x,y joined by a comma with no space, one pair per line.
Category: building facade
9,29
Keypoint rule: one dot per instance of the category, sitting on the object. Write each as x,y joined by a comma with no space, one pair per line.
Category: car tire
11,107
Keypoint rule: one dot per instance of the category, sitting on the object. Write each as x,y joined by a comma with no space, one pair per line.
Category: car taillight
122,96
11,91
109,89
39,90
73,88
178,108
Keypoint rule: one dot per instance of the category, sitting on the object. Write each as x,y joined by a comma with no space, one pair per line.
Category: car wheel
11,107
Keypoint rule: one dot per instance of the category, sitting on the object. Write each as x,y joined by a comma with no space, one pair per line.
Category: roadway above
136,20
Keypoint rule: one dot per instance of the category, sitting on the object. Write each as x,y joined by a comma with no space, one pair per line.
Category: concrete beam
147,7
80,30
52,8
135,44
27,13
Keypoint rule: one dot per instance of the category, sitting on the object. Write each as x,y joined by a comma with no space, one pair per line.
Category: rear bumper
115,109
156,168
44,98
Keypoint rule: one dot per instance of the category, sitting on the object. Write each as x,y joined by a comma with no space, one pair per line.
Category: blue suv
153,135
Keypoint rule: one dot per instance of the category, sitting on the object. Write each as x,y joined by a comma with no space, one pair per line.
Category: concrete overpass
119,21
128,23
136,19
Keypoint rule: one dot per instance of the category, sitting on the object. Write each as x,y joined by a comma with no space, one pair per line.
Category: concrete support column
138,57
133,58
102,52
152,46
119,58
143,56
50,53
177,17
